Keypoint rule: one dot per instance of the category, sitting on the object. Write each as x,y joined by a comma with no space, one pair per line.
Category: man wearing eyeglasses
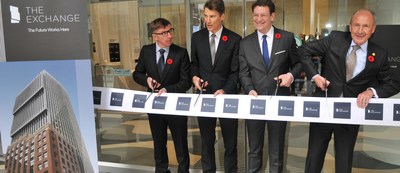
214,68
164,67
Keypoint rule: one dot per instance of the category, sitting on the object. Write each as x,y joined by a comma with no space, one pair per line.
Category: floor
125,145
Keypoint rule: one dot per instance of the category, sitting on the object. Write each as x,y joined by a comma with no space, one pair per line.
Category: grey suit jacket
255,75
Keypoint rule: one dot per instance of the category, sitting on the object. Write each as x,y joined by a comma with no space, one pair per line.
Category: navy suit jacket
176,75
224,73
333,51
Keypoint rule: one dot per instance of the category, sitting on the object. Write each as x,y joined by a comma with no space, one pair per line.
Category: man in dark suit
164,67
267,56
215,62
353,67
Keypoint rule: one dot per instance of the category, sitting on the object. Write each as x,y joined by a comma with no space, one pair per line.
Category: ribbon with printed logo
384,112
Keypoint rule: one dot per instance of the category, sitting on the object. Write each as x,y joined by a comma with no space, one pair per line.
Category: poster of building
47,120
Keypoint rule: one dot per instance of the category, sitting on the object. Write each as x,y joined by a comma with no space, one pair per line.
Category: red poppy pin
224,38
371,58
169,61
278,36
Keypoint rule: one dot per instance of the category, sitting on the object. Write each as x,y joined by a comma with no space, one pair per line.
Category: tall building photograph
45,136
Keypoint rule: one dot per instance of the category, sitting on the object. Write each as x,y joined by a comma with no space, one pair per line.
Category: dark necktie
351,62
161,61
212,48
265,50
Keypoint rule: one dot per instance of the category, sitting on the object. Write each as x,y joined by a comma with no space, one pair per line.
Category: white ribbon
331,110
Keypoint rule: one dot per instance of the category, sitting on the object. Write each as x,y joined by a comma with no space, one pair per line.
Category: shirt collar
270,33
217,34
363,47
158,48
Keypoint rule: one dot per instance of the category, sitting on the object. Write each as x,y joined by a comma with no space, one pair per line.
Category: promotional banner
45,29
388,36
47,106
282,108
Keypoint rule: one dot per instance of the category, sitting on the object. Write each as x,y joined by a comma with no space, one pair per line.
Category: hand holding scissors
153,85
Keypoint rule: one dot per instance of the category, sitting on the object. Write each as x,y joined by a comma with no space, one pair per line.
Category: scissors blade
278,82
152,91
196,99
201,92
326,90
148,97
276,89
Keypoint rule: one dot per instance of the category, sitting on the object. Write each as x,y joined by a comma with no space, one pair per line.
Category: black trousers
345,137
178,127
276,144
229,129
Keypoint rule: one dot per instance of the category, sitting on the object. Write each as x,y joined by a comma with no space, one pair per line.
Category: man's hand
197,83
152,84
162,90
218,92
253,93
321,82
363,98
286,79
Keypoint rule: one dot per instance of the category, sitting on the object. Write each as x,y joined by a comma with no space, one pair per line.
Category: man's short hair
217,5
264,3
158,23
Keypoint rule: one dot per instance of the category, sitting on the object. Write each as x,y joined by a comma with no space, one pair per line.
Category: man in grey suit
267,56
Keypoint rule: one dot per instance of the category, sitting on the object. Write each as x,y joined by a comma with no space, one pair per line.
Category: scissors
278,82
155,83
201,92
326,90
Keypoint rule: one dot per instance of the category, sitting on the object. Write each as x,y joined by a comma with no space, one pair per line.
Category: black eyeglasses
165,33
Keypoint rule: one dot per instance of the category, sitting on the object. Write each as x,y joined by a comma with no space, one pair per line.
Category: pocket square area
282,51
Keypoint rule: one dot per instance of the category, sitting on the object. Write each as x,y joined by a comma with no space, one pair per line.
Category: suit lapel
153,60
205,40
221,46
256,48
169,58
275,44
344,48
368,64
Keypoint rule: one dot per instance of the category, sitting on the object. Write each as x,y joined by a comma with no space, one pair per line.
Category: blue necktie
265,50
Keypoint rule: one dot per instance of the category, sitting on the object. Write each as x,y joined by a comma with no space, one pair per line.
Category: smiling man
214,69
353,67
268,63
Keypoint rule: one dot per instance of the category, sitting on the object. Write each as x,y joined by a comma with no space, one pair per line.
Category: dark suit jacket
176,75
255,75
224,73
333,51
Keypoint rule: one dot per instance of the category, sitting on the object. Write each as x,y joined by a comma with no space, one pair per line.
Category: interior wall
386,11
115,22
